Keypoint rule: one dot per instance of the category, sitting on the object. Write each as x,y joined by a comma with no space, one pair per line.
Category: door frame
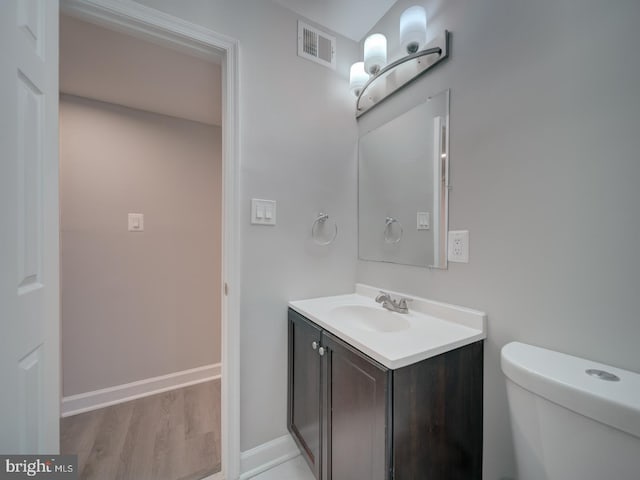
144,22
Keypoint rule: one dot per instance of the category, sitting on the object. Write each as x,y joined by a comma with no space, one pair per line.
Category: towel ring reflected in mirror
388,231
318,225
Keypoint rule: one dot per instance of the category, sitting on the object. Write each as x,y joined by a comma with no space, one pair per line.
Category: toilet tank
568,424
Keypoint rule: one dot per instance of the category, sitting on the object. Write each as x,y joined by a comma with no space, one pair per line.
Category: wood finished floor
169,436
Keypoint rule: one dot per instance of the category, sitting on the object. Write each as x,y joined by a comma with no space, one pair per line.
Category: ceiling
351,18
117,68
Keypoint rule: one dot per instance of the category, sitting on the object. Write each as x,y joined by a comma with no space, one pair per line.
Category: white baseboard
266,456
85,402
215,476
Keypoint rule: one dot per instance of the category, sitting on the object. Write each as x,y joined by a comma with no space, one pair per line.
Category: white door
29,283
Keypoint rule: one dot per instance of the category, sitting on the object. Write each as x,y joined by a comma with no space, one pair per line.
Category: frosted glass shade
375,53
413,28
357,78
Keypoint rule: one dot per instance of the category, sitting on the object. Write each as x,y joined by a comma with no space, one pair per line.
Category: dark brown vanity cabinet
354,419
356,408
305,379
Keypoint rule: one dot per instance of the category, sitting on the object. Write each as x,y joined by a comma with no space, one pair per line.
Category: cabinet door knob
321,351
314,345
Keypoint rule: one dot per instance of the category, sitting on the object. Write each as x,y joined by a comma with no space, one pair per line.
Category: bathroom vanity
379,395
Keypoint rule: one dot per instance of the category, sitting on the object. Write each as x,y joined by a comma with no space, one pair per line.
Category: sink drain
602,375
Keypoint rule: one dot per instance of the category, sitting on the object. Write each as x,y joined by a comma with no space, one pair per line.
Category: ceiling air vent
316,45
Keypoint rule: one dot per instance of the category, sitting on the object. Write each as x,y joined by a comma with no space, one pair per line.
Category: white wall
545,123
143,304
297,146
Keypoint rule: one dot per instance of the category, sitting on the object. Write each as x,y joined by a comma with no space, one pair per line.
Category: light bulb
413,28
375,53
357,78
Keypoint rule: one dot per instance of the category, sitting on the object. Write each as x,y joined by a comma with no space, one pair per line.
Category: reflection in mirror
402,187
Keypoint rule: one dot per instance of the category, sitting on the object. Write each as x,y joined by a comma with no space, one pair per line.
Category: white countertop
433,327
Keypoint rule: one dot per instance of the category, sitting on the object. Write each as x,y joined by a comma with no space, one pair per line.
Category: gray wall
545,123
297,146
137,305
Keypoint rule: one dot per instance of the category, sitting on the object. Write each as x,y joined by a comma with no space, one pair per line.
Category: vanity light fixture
375,53
413,28
388,79
358,78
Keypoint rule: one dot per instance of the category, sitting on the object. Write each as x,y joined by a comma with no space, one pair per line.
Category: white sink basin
394,339
372,319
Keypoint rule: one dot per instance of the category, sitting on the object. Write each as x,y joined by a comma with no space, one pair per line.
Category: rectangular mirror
403,169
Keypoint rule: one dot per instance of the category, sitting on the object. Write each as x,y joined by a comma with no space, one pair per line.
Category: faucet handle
382,296
403,302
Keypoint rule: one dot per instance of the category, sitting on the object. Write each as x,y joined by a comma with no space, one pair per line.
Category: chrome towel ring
318,225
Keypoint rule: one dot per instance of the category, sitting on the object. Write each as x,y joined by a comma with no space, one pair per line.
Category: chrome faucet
398,305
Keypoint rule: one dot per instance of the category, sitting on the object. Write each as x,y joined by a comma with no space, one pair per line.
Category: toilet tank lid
562,379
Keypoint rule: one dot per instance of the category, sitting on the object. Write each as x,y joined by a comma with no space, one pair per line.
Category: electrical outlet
458,243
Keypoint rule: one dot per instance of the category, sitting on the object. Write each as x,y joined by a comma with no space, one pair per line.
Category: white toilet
568,424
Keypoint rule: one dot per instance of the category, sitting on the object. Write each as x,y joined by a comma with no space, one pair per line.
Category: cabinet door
357,411
304,388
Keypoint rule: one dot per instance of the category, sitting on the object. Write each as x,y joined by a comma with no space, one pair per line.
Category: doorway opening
137,350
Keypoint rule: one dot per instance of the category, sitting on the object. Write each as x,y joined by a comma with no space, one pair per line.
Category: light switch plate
136,222
263,212
458,243
423,220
